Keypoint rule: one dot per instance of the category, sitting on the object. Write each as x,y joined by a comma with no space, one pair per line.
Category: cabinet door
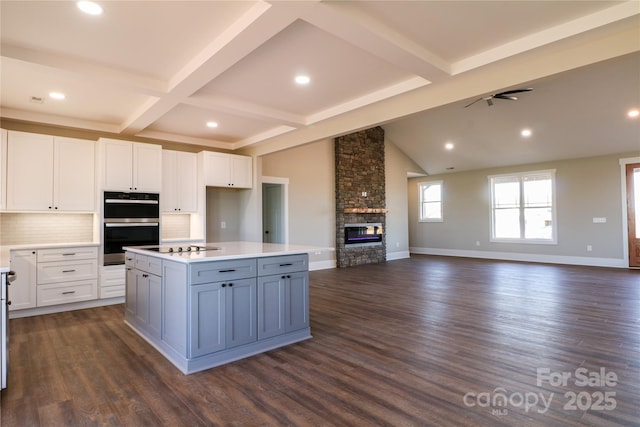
118,165
3,169
240,320
142,297
174,306
130,293
217,169
22,291
187,182
297,301
74,179
241,172
168,199
147,167
207,323
29,171
155,305
271,299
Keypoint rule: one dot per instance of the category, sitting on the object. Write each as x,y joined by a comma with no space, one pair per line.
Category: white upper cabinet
227,170
74,184
131,166
179,182
46,173
3,169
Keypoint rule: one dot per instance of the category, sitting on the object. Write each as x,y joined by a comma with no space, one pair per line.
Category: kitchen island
204,306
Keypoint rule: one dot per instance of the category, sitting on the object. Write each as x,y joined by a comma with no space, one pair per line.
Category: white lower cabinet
53,276
66,292
112,281
22,291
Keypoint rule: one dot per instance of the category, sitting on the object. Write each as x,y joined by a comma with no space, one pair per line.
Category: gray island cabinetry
202,311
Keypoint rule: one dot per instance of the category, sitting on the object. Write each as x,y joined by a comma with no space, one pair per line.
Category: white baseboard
322,265
50,309
514,256
398,255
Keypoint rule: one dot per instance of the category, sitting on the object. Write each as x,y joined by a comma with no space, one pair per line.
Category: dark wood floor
423,341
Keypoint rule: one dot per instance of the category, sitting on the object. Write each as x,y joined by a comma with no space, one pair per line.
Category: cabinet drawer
113,275
61,271
130,259
112,291
282,264
149,264
62,294
219,271
67,254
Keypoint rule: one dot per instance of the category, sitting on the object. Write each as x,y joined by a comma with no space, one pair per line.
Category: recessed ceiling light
302,79
90,7
212,124
633,113
56,95
526,133
449,145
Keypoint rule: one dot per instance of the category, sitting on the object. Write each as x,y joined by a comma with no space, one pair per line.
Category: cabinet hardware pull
286,265
227,271
69,254
224,285
230,284
68,292
68,271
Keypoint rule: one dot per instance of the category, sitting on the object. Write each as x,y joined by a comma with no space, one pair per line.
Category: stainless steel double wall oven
130,219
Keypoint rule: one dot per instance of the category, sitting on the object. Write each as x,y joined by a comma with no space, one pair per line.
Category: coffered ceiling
163,69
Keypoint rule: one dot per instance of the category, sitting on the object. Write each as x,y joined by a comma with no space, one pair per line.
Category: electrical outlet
589,248
599,220
364,194
223,224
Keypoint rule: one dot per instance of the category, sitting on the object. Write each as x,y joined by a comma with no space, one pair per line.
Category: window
523,207
431,201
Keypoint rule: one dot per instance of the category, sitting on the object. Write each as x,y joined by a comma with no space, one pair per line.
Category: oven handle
131,224
130,220
131,202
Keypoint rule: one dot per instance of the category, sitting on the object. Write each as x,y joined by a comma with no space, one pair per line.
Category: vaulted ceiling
163,69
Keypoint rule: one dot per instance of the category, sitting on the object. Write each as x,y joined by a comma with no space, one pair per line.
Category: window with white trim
430,201
523,207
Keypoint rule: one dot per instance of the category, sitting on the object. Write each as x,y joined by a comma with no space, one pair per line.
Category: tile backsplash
175,226
29,228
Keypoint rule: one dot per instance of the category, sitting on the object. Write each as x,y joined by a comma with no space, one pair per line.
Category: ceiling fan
508,94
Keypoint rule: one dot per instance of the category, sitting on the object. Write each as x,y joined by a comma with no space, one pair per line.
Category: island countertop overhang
228,251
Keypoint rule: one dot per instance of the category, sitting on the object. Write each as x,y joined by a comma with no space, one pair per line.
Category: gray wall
585,188
310,169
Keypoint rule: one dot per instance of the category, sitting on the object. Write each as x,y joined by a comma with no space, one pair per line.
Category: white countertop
231,250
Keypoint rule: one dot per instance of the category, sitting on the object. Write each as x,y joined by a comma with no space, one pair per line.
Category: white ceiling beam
254,28
549,35
245,109
345,20
97,74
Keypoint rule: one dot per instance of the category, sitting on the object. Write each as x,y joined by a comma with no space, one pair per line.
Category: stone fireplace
360,195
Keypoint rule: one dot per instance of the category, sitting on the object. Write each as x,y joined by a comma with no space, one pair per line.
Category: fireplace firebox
363,234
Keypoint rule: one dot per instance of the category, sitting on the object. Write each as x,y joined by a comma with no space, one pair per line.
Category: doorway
274,210
633,213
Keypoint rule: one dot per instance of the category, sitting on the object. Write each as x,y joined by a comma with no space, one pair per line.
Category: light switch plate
599,220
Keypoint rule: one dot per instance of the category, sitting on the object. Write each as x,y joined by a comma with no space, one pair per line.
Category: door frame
625,219
285,203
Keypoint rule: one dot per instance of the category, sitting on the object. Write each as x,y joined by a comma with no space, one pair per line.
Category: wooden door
633,213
